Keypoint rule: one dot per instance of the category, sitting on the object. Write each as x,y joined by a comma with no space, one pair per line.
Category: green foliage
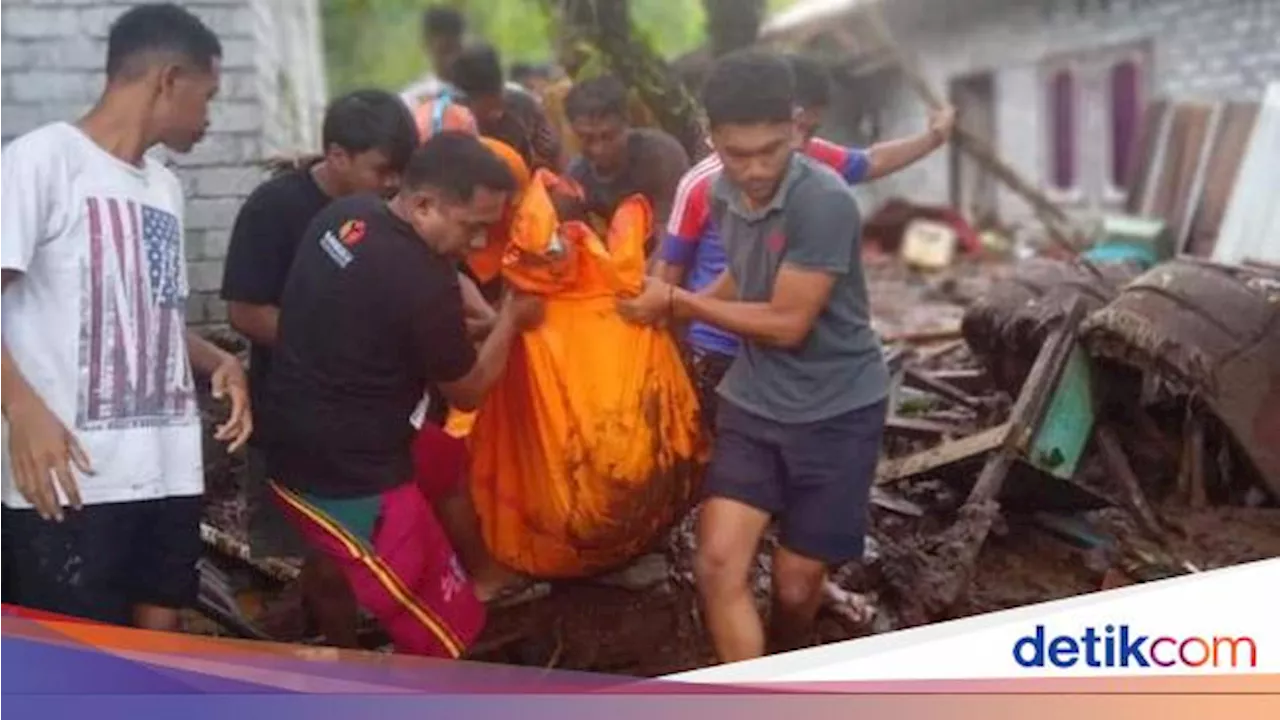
375,43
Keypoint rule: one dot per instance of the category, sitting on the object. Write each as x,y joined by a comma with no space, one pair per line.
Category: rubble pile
1000,484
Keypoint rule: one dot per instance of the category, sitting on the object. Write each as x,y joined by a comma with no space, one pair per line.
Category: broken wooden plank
1038,388
920,428
1192,461
896,357
938,458
227,545
1118,464
964,539
217,601
933,352
923,381
962,417
896,503
967,379
919,337
1067,422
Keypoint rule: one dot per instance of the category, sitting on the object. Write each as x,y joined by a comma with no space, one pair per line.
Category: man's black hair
478,70
813,82
443,22
456,163
748,87
159,28
601,96
366,120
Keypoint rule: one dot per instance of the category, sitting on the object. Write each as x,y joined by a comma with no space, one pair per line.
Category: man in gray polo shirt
803,405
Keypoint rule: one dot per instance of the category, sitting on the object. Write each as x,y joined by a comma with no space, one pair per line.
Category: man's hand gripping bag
589,447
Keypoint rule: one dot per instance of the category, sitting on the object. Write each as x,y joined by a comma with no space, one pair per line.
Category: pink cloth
407,576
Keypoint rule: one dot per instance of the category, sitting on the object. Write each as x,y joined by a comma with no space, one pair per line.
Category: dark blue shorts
102,560
814,478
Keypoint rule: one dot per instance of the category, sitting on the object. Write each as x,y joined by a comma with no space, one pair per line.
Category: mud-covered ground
656,630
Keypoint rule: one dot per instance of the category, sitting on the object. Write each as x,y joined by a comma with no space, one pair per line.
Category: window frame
1049,73
1138,57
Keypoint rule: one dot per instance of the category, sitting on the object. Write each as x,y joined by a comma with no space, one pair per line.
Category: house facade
271,102
1058,86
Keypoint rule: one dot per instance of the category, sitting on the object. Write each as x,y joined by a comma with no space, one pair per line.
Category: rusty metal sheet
1216,331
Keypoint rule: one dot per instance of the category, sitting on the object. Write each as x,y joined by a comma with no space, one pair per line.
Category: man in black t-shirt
368,136
371,315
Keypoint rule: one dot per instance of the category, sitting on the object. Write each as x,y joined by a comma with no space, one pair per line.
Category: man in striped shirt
692,255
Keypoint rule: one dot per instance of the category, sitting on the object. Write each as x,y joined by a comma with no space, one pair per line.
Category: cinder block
205,275
39,22
56,86
211,214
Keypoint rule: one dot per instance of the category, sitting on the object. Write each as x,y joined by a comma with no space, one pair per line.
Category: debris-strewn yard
1190,499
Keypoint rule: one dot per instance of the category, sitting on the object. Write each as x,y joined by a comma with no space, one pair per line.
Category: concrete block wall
53,55
1200,49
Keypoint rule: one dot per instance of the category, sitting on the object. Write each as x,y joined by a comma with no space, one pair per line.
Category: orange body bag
589,447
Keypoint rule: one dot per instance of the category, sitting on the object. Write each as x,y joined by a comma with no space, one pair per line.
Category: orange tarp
589,447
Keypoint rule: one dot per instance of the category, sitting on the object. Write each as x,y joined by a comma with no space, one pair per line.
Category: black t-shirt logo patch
351,232
338,245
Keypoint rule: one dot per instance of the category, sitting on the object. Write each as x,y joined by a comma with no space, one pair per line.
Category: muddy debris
1196,501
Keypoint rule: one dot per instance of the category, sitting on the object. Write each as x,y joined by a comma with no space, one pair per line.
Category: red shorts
439,462
398,562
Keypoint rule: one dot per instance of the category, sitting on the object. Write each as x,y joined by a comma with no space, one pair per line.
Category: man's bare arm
888,157
722,288
42,450
668,272
206,357
259,323
517,314
226,380
480,315
799,295
14,388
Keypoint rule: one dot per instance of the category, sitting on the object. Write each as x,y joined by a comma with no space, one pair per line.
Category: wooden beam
968,379
918,428
1032,402
923,381
938,458
1118,464
923,336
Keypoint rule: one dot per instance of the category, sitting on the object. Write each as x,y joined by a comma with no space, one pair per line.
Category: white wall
1210,49
271,101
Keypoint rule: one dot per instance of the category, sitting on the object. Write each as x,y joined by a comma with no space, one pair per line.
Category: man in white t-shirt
103,475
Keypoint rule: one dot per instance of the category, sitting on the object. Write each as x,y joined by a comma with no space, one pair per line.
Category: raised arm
890,156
